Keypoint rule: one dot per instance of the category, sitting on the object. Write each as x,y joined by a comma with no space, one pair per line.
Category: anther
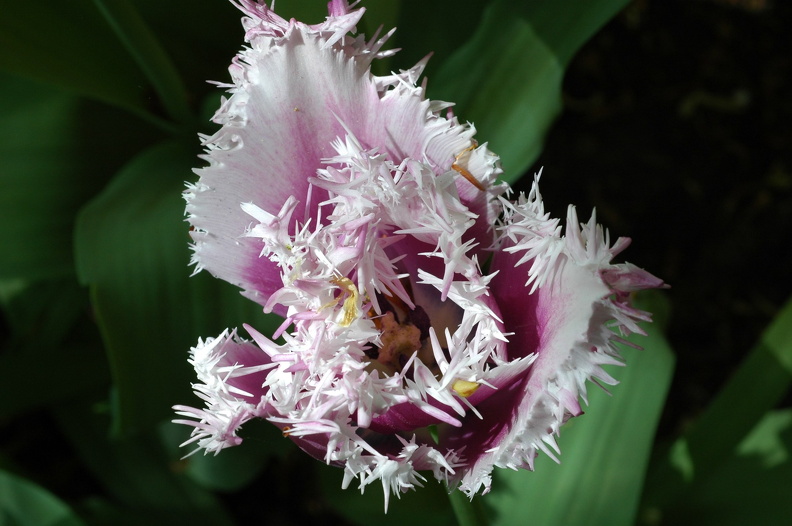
464,171
464,388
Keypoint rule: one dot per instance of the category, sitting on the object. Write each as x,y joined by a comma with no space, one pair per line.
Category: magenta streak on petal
307,123
287,134
408,249
481,230
247,355
498,406
338,7
408,417
518,308
314,445
498,412
287,131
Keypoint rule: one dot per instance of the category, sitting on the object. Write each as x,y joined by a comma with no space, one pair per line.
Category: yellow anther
349,290
464,388
464,171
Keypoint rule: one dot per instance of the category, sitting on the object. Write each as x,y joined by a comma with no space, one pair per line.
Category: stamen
349,290
463,171
464,388
397,340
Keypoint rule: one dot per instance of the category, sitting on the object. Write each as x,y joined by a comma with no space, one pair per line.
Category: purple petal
292,97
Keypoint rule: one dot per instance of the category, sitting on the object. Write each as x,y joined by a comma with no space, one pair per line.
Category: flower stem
468,512
144,47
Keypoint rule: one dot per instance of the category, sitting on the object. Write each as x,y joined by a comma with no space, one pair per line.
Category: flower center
404,331
398,341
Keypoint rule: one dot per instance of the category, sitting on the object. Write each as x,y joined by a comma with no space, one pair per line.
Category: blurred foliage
603,461
101,104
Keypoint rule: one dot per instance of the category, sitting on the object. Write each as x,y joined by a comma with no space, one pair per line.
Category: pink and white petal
552,323
409,416
565,322
292,97
327,189
230,373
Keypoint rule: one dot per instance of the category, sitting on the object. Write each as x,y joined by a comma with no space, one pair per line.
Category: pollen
464,172
350,294
464,388
397,339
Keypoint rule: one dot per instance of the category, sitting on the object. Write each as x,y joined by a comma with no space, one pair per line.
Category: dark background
677,128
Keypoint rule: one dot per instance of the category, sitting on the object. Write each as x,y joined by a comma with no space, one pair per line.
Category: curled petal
231,373
565,325
430,323
296,89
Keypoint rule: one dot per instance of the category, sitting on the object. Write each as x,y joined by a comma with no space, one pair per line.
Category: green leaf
439,27
750,487
507,77
756,387
309,12
235,467
68,45
42,314
137,470
50,342
468,512
23,503
66,371
604,453
56,153
132,249
200,38
147,52
49,346
426,506
37,191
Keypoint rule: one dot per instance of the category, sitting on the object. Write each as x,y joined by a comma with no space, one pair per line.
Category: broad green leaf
37,192
132,250
426,506
756,387
148,53
235,467
439,28
382,16
468,512
137,470
69,45
200,38
41,314
507,77
23,503
57,152
10,289
604,453
752,486
309,12
50,345
64,372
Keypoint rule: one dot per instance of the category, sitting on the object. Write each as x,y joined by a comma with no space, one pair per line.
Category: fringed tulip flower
430,323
